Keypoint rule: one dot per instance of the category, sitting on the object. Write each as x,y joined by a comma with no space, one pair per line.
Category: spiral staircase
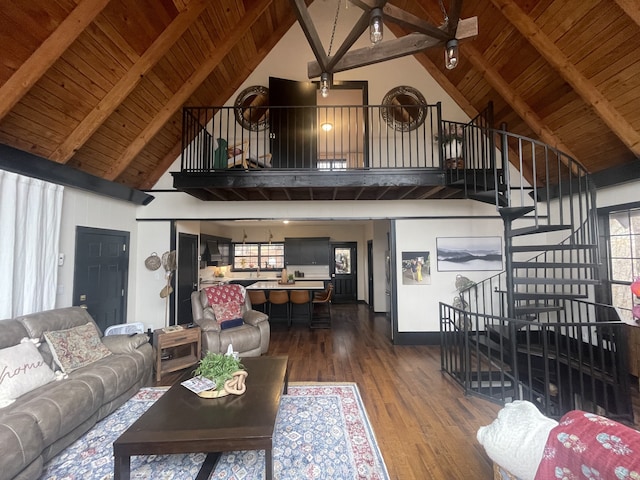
533,331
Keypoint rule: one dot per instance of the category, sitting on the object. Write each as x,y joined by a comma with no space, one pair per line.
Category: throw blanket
588,446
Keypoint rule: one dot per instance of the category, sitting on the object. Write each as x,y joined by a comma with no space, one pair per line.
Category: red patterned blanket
588,446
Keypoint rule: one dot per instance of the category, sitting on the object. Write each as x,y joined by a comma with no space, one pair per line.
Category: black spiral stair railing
533,332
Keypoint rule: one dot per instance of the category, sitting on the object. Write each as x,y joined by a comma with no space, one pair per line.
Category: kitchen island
297,285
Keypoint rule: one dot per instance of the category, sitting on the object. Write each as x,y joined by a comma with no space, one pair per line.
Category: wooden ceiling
99,85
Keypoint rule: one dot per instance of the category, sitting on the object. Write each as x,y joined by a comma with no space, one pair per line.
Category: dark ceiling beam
309,30
411,23
28,164
455,8
361,25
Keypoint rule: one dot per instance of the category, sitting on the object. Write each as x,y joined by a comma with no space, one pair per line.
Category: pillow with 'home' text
22,369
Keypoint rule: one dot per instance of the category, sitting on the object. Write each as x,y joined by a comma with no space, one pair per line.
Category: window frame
260,255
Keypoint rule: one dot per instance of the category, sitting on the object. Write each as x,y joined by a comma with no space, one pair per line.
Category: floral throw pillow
228,314
76,347
22,369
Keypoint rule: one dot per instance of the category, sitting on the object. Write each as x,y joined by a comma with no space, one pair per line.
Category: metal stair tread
511,213
554,247
554,281
534,265
516,232
544,295
534,309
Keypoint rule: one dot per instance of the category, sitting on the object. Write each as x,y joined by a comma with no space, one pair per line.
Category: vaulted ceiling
99,85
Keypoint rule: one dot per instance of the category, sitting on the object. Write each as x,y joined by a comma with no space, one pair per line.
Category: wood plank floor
425,426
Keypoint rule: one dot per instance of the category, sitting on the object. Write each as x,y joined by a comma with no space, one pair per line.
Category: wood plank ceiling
99,85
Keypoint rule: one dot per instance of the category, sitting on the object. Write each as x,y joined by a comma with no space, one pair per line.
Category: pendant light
451,54
375,26
324,85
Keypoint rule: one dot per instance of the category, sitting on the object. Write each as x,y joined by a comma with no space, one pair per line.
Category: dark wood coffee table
182,422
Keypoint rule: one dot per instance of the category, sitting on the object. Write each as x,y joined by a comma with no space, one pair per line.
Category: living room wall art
416,268
456,254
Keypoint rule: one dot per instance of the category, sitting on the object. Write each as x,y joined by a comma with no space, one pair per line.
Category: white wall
81,208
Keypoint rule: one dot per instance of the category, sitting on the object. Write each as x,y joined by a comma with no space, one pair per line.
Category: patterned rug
322,431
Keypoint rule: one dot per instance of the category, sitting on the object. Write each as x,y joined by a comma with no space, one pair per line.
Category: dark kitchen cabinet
306,251
214,251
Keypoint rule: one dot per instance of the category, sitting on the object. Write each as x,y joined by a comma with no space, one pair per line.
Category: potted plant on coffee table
225,371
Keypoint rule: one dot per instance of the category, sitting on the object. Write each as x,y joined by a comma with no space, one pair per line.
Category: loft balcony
377,152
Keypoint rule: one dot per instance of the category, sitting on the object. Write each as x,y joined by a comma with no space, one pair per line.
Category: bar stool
258,298
279,297
323,298
300,297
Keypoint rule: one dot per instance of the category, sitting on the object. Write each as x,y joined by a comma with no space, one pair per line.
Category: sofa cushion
76,347
22,369
21,442
516,438
228,314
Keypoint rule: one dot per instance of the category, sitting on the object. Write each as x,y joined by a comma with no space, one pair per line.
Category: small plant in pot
225,371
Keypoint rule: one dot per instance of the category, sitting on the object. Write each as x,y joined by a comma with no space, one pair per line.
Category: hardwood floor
425,426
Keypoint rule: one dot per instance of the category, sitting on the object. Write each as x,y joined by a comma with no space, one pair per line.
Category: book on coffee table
199,384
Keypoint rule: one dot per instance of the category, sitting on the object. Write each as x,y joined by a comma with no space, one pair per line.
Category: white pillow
516,439
22,369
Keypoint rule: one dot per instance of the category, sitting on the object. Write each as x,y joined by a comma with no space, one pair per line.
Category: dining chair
300,297
258,298
279,297
322,298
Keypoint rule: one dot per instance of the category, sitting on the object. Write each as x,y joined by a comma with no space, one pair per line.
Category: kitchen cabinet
306,251
214,251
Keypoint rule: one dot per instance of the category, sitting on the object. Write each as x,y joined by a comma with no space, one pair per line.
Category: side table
176,342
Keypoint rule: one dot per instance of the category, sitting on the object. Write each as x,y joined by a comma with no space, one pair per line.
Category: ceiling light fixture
451,54
375,26
326,126
324,84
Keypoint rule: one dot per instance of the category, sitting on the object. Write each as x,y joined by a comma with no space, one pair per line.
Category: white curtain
30,213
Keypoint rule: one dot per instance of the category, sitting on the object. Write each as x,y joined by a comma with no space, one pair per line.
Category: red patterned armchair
225,315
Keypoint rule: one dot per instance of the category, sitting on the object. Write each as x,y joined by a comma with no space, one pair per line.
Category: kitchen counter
298,285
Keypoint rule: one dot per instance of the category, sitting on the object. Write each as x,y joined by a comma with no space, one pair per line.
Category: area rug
322,432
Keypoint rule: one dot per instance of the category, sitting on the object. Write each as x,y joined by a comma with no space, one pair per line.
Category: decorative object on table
169,264
153,262
225,373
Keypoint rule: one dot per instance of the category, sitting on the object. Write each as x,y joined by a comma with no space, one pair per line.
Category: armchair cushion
228,314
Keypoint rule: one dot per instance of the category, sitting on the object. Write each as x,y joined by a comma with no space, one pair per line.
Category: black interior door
344,272
293,123
187,275
100,274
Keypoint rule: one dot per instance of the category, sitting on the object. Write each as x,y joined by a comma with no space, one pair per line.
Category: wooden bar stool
323,298
300,297
279,297
258,298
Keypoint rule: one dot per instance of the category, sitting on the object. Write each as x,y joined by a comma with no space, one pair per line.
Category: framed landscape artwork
416,268
457,254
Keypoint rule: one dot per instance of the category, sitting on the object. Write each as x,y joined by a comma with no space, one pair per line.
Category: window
624,257
332,164
254,256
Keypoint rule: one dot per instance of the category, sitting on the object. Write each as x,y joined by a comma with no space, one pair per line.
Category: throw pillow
22,369
76,347
228,314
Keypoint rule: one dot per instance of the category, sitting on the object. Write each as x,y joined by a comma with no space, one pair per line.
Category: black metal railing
559,366
360,137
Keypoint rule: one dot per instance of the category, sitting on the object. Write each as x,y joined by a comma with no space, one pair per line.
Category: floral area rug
322,432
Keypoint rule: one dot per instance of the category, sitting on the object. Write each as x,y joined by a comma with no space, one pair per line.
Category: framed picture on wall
456,254
416,268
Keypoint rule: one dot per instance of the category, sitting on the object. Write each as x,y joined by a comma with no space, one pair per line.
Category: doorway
101,269
188,250
344,271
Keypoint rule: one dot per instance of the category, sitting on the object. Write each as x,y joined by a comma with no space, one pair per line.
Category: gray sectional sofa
40,423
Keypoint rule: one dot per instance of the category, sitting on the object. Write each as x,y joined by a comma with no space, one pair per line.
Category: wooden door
293,123
100,274
187,274
344,272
